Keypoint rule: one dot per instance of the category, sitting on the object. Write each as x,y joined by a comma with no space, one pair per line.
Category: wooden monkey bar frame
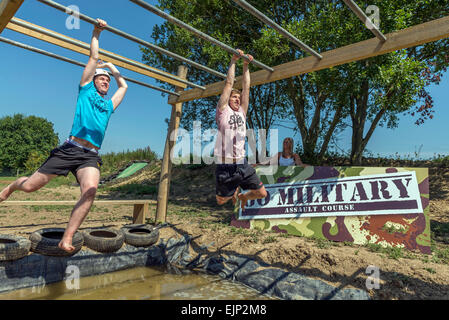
81,64
381,44
133,38
406,38
259,15
66,42
196,32
367,21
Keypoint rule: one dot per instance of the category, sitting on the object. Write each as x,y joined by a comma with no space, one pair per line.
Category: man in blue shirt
79,154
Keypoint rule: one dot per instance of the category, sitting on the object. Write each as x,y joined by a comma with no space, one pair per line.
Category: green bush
136,189
113,161
20,136
35,160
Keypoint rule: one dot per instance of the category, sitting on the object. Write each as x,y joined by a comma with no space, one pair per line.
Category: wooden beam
73,202
406,38
8,9
67,45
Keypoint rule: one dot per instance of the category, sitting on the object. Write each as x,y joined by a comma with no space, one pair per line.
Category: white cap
99,72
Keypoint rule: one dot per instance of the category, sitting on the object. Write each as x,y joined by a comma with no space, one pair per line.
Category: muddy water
141,284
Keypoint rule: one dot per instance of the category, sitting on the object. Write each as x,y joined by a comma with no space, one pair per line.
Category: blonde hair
291,143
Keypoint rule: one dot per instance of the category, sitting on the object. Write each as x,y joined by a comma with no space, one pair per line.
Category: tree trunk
309,134
359,141
359,109
330,131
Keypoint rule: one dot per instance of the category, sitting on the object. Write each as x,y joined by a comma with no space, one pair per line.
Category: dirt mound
403,274
192,210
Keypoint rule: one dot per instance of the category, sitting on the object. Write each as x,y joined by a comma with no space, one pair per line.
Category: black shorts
70,158
231,176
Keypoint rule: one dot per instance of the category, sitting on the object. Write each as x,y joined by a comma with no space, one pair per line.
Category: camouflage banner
390,207
394,193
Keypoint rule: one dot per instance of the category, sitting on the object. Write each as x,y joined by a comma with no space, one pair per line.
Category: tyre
140,235
103,240
13,247
45,241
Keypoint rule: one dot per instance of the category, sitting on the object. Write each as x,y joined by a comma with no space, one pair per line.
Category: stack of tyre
111,240
45,241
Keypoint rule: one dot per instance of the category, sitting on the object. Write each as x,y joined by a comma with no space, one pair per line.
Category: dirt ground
192,210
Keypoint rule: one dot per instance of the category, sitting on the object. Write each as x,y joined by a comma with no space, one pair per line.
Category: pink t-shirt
230,143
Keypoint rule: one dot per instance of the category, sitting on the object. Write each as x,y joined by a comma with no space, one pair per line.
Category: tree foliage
24,141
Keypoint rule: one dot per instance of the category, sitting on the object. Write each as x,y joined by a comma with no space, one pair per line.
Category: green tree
360,95
34,161
24,139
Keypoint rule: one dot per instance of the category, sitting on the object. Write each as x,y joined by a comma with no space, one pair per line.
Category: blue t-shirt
92,115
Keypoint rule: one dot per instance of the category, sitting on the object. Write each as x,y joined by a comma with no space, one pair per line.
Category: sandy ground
403,274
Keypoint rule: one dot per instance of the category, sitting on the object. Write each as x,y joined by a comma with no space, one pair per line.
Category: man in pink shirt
233,170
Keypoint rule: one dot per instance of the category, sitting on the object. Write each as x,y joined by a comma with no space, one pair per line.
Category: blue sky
33,84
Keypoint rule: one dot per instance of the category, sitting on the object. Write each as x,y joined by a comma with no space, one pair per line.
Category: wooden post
140,212
164,181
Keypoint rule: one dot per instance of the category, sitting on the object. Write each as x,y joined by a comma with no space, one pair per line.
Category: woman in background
287,157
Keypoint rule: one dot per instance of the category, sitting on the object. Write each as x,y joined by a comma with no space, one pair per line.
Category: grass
269,239
253,234
441,255
390,252
63,208
61,181
53,184
113,161
439,229
133,188
323,243
51,208
188,212
216,226
285,235
237,231
430,270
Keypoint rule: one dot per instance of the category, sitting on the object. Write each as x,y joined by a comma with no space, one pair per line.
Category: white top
230,143
286,161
